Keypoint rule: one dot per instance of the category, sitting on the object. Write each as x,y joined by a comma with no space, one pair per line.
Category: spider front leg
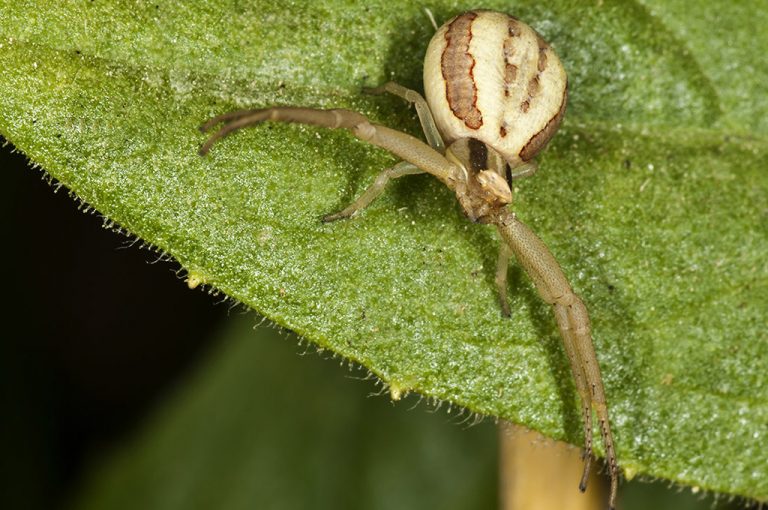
573,323
405,146
573,320
502,268
564,323
568,334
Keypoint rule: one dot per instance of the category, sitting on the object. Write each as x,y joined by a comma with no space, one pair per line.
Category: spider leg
524,170
578,321
404,146
422,108
577,368
573,322
374,190
502,267
229,116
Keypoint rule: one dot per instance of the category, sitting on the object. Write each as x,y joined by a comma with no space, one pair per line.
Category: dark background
93,334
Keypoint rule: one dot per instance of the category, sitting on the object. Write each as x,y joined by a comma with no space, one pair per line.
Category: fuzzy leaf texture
653,196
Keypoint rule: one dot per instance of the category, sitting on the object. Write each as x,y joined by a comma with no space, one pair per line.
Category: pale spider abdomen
491,77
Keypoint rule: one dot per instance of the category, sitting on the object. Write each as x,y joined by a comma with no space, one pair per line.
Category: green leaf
260,427
654,197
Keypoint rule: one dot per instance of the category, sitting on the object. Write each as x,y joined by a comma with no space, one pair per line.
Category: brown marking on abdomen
542,60
510,69
457,66
540,139
533,84
542,64
510,74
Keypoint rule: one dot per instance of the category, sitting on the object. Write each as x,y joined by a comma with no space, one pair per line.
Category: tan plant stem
538,473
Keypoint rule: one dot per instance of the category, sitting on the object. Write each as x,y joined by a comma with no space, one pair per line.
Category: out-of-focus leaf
259,427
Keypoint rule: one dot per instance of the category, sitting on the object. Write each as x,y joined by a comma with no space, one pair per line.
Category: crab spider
495,95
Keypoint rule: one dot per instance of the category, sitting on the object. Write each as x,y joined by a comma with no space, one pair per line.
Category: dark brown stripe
542,60
533,86
510,74
513,27
540,139
510,69
457,66
478,155
542,64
